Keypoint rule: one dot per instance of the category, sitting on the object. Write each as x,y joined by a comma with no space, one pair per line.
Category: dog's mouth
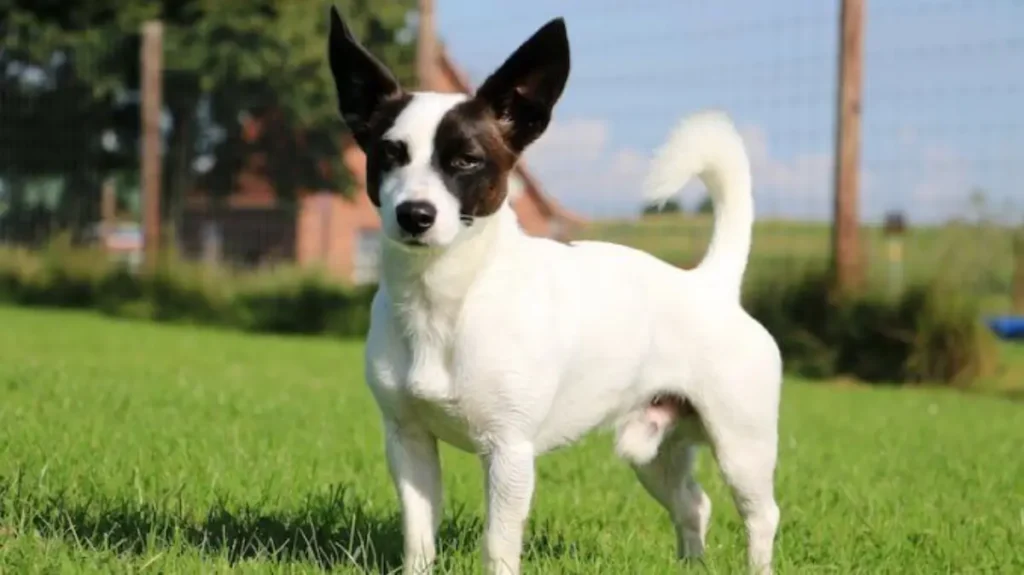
410,243
417,242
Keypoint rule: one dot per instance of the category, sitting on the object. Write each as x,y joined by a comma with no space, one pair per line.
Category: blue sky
942,84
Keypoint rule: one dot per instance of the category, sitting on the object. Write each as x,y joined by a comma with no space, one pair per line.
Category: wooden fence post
846,247
426,46
151,59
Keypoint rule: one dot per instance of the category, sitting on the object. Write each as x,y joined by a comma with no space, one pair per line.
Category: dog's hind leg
745,445
669,479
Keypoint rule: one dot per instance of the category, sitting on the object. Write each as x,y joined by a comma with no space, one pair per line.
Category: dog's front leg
509,477
416,470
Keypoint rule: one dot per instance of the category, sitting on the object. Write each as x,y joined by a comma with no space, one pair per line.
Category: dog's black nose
415,217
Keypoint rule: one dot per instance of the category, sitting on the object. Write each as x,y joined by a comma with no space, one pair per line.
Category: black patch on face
473,157
383,155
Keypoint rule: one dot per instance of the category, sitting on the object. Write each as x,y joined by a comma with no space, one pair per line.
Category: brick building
339,234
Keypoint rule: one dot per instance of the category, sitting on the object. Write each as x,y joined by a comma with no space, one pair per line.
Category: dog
509,346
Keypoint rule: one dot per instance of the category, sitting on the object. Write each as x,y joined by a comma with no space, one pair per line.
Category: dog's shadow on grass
328,530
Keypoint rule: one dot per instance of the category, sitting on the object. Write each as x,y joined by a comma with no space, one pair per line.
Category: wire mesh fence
940,169
939,196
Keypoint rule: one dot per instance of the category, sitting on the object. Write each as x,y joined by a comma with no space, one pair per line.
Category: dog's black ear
362,81
523,91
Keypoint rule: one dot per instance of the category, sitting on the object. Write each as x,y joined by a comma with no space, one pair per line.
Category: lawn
130,447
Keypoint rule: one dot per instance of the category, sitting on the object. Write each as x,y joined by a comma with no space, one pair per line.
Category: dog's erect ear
362,81
523,91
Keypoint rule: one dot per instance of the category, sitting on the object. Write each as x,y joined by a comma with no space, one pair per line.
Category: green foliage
62,276
275,48
930,333
303,304
283,300
705,206
72,75
669,207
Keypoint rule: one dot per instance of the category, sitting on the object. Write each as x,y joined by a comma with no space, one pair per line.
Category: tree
978,201
49,118
222,60
670,207
267,60
706,206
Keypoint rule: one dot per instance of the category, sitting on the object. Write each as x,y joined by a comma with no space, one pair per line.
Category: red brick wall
328,229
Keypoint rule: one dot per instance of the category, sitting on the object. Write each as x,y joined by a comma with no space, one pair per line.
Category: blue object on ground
1007,326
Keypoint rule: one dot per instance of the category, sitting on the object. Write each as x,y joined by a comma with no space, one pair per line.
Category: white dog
508,346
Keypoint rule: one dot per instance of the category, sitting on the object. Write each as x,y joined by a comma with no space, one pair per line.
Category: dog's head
436,164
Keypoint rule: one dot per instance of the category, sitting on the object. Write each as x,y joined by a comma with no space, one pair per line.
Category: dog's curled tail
708,146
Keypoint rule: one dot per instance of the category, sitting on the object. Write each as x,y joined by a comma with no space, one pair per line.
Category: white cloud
798,187
578,165
944,175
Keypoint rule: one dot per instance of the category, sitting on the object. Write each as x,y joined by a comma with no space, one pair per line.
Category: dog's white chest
428,376
430,394
415,375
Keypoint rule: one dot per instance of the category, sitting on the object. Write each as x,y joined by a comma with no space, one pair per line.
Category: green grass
130,447
979,258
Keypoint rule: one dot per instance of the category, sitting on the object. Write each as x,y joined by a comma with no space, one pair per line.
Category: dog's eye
465,162
393,152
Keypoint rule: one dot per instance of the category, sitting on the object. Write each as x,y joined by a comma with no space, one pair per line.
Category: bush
285,300
303,303
60,276
930,333
1017,288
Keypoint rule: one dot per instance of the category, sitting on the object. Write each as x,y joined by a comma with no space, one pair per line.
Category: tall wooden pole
846,247
426,47
152,104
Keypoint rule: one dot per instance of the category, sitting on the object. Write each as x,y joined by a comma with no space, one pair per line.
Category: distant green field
128,448
978,258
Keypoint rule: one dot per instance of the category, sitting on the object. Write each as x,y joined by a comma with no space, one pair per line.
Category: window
367,257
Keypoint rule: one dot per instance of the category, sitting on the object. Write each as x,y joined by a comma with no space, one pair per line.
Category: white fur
707,145
509,346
